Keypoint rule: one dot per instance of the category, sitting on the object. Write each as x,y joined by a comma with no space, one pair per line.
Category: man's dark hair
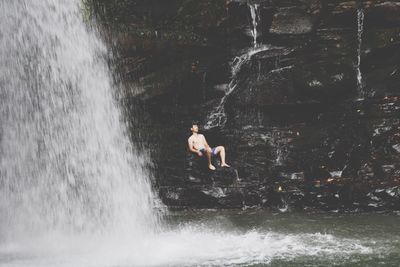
195,123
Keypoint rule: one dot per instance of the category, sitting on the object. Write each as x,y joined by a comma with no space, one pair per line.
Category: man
198,144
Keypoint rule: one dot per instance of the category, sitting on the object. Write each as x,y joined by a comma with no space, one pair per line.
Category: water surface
227,238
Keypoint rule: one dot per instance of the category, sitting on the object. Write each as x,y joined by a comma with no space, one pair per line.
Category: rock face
284,74
291,20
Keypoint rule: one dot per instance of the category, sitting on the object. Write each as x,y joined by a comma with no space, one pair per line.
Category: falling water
217,116
66,164
254,19
278,141
360,29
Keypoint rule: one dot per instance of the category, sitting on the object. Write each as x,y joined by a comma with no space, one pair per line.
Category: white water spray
66,164
360,29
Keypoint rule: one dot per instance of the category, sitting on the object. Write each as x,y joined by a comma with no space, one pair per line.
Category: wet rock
296,136
197,197
388,169
396,147
291,21
197,171
233,198
267,91
388,11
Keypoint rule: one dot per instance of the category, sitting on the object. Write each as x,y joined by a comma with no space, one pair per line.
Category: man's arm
205,143
190,145
191,148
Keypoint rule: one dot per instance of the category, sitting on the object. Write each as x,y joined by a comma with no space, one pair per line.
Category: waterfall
254,20
360,29
217,116
66,163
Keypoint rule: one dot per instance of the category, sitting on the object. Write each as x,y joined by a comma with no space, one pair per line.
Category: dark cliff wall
297,133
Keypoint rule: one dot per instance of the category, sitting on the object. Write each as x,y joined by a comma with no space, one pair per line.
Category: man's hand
199,153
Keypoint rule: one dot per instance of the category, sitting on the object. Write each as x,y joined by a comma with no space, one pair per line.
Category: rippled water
227,238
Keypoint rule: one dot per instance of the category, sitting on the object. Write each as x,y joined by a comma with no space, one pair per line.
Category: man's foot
211,167
225,165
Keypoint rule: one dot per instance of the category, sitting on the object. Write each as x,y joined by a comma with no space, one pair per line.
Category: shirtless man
198,144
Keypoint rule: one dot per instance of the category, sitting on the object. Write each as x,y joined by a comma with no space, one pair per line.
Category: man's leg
209,155
221,151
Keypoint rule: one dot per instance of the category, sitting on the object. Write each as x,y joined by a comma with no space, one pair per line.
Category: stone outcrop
291,21
296,134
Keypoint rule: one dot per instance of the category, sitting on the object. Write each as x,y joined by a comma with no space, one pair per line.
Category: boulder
291,21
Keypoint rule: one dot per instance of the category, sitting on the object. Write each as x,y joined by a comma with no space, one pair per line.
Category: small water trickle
217,116
284,205
255,17
279,156
204,87
278,142
260,117
360,29
237,178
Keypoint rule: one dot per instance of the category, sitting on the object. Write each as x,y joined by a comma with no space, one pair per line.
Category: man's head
195,128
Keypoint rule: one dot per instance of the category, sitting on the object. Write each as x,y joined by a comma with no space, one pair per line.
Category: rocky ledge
304,95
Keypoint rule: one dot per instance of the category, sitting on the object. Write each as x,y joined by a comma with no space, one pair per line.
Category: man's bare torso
197,141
